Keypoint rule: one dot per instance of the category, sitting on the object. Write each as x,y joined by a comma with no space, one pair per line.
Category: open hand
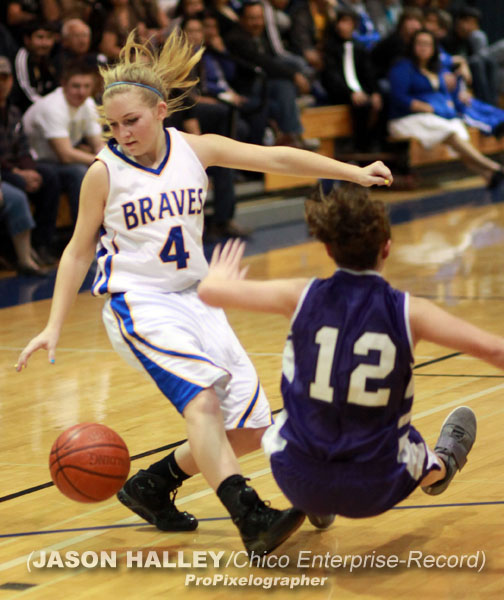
46,339
225,262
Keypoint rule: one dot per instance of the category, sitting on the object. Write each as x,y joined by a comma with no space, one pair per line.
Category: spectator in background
309,22
422,108
213,116
249,42
186,9
39,182
20,13
34,70
8,45
348,78
15,211
63,129
217,80
384,14
120,21
365,31
395,45
76,46
468,40
225,12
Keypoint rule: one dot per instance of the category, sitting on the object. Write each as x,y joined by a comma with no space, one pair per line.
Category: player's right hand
45,339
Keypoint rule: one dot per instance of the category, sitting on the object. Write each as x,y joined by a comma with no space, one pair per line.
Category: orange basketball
89,462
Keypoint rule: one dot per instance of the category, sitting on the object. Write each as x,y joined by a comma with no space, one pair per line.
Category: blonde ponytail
155,73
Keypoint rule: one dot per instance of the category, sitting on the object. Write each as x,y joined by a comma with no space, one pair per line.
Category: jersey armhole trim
188,145
302,299
407,322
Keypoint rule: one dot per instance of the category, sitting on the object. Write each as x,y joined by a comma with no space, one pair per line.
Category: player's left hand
376,174
225,262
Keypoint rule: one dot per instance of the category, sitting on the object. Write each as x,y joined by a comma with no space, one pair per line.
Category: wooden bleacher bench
327,123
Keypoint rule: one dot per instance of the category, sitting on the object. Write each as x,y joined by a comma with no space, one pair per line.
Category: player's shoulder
97,176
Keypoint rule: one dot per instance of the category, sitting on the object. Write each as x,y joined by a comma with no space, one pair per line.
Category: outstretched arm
431,323
216,150
225,285
75,261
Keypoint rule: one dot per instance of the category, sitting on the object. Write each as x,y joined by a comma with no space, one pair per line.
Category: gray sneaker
321,521
455,441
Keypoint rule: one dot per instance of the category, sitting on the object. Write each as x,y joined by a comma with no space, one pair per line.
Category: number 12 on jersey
321,388
174,248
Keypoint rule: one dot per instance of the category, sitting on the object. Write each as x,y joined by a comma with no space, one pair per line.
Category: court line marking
80,538
94,350
41,486
420,415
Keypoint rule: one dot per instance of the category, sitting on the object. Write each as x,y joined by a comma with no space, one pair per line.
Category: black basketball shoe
261,527
455,441
149,496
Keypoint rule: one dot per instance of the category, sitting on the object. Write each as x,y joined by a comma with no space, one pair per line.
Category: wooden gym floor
456,258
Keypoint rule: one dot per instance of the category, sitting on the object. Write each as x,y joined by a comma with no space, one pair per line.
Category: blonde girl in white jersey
141,212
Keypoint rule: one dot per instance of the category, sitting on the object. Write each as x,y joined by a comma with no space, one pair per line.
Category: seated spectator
35,73
395,45
8,46
20,13
309,21
186,9
488,118
249,115
225,10
422,108
63,129
15,211
212,116
39,182
384,14
249,42
76,46
468,40
365,31
348,78
120,21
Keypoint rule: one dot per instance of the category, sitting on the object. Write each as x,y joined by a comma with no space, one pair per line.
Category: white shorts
186,346
427,128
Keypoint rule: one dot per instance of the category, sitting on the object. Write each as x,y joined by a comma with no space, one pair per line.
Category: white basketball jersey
151,236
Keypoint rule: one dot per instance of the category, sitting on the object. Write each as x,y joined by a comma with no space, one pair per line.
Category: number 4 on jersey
174,248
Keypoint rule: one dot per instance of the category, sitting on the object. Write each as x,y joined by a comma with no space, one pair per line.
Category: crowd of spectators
264,61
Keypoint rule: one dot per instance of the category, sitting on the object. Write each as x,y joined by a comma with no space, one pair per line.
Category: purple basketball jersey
352,357
344,442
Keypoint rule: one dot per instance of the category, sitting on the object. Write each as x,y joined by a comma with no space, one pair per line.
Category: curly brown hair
354,226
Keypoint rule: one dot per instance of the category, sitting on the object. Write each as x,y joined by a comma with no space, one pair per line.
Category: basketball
89,462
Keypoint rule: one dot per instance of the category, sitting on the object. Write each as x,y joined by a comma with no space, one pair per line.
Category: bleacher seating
328,123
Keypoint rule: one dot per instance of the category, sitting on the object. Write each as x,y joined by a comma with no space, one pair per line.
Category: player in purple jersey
344,443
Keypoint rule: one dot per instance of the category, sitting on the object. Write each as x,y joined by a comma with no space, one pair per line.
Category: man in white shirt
63,129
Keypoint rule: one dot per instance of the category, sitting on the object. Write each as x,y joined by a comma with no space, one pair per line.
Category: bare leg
434,476
207,438
23,249
242,442
471,155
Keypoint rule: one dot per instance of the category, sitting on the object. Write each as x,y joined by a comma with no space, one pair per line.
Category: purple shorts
353,489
